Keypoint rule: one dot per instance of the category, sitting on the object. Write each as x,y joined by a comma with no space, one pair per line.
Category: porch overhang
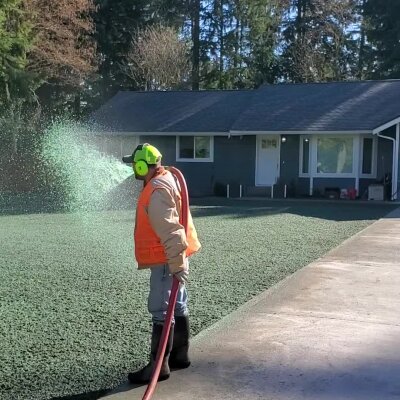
303,132
155,133
395,158
386,125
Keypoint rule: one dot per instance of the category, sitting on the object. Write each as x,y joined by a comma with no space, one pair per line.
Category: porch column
396,161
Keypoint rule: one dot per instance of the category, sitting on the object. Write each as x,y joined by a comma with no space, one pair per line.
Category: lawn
73,306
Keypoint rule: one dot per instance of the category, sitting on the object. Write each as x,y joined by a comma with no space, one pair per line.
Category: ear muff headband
144,156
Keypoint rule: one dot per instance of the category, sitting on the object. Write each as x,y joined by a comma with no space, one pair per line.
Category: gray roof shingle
337,106
308,107
184,111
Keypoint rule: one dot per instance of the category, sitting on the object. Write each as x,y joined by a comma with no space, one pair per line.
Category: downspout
395,161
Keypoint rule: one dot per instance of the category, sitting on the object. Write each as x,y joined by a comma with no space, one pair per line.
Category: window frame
204,160
352,174
301,157
358,149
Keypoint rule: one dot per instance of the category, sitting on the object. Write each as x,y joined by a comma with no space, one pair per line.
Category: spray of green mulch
85,177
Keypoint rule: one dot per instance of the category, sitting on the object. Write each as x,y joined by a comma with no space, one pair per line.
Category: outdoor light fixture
283,139
306,139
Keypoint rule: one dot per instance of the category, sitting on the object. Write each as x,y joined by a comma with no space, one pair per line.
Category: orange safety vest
148,247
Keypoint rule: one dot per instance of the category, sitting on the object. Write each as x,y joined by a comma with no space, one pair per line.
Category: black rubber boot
179,357
144,374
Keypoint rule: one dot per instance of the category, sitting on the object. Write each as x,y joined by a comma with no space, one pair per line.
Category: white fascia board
245,133
194,133
113,133
385,126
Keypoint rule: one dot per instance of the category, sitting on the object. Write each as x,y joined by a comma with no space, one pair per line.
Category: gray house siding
235,160
166,145
303,187
234,163
289,168
197,175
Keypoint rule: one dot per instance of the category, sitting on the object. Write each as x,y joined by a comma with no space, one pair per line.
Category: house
310,139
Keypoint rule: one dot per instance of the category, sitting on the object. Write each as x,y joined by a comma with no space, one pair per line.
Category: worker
162,245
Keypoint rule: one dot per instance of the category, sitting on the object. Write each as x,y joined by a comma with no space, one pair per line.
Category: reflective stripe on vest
148,247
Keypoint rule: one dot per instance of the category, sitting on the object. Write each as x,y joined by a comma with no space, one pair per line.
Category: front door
267,164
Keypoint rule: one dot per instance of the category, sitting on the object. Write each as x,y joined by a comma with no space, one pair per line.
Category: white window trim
352,174
374,168
313,156
205,160
358,143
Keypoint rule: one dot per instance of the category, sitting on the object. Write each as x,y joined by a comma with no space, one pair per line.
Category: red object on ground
352,193
174,291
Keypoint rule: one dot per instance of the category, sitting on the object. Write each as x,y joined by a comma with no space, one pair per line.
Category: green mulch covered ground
73,315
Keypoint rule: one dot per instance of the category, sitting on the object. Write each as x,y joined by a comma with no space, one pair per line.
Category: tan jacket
164,210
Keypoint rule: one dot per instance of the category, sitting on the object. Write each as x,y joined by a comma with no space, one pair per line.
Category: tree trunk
195,17
7,89
221,44
237,40
360,66
77,105
14,135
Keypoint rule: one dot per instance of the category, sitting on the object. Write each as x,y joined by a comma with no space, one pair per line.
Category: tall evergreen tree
381,58
240,42
316,40
259,39
194,11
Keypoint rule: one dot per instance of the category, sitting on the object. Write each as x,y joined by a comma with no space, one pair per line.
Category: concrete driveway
330,331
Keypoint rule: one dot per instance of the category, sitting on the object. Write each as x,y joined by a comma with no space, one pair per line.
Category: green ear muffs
141,168
144,156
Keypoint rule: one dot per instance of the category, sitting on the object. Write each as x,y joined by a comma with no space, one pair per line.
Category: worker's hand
182,276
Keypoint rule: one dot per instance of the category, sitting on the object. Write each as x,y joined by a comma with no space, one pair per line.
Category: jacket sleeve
164,219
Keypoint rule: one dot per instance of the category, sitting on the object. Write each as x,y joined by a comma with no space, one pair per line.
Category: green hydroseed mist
84,174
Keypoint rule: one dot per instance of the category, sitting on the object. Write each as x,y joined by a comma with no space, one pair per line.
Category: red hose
174,291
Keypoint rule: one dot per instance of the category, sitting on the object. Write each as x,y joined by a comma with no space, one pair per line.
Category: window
335,155
305,167
346,156
269,144
367,154
305,156
194,148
